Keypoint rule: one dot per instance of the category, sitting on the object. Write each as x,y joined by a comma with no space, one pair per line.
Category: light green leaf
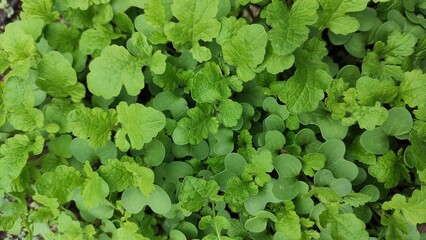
248,39
119,175
305,89
334,15
14,153
356,199
94,189
97,38
259,222
289,29
59,184
348,109
209,84
113,69
62,37
139,123
413,155
258,168
397,227
58,78
34,9
229,112
93,124
288,223
197,193
312,162
139,47
71,229
245,144
237,192
128,231
413,210
413,88
397,48
197,127
370,91
19,101
389,169
342,225
196,22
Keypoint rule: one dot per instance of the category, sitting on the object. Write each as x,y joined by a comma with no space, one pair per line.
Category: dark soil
16,5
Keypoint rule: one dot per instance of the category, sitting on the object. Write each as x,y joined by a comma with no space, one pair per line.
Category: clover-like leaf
287,186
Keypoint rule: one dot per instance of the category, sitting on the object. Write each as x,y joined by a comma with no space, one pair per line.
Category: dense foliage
214,119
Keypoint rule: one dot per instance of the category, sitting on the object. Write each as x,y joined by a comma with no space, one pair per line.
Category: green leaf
57,112
134,200
289,27
356,199
248,39
234,167
119,175
344,105
259,222
84,4
389,169
330,128
59,184
413,88
209,84
413,155
113,69
229,112
342,225
375,141
397,48
14,153
128,231
94,189
258,168
288,223
197,193
245,145
413,210
312,162
334,151
68,226
139,47
19,44
58,78
196,22
93,124
62,37
33,9
139,123
114,172
237,192
19,101
197,127
399,122
96,39
287,186
397,227
370,91
334,15
305,89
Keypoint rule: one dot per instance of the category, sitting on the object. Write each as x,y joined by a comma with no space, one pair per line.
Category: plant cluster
214,119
